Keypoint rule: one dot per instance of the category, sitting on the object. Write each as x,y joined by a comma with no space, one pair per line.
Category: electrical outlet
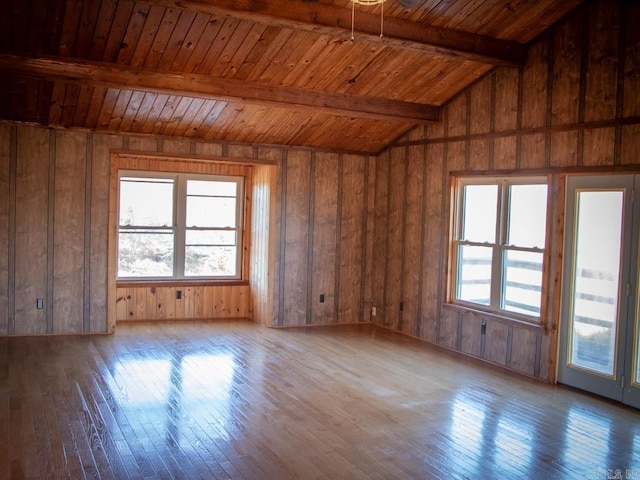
178,294
373,311
40,303
322,298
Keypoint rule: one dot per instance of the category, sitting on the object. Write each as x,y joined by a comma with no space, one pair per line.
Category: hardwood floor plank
223,399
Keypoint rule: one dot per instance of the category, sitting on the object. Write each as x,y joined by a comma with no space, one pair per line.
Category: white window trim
497,266
179,224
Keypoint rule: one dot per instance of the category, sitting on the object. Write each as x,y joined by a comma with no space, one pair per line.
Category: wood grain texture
381,221
535,84
5,159
506,107
199,399
69,214
262,264
352,246
197,302
369,228
532,152
564,149
479,154
470,341
602,63
631,145
395,238
631,74
495,350
102,145
566,71
32,190
324,231
599,146
504,153
480,108
413,244
433,239
296,238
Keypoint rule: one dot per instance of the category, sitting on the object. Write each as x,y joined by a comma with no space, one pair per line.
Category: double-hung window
179,226
498,243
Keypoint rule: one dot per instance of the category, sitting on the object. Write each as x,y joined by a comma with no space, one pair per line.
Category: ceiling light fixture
367,3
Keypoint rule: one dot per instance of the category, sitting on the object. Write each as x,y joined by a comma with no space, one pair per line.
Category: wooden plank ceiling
278,72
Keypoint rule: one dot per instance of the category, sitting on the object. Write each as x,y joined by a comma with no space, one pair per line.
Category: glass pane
212,188
474,274
522,282
146,202
211,212
479,221
210,261
145,254
596,279
527,215
205,238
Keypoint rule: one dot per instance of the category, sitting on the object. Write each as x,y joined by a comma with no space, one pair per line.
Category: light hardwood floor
234,400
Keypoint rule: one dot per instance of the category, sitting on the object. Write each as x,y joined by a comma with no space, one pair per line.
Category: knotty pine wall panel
197,302
574,105
262,240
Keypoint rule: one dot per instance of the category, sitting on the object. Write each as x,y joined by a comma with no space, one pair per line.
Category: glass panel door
596,284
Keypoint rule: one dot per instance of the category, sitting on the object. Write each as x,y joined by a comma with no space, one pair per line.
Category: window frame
500,245
180,228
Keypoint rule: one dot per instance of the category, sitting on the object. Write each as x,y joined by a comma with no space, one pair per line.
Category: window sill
179,283
501,317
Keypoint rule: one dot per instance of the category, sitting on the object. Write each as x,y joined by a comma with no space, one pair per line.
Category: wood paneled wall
195,302
262,270
54,218
323,238
575,104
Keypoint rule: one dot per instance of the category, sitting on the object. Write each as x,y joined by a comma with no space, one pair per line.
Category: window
174,226
499,240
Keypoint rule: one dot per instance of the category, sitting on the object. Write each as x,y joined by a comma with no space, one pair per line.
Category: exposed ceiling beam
225,89
331,20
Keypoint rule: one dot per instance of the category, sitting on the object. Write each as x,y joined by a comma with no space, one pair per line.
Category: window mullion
180,214
497,269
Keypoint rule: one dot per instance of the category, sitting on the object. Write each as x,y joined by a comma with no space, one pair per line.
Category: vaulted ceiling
260,71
